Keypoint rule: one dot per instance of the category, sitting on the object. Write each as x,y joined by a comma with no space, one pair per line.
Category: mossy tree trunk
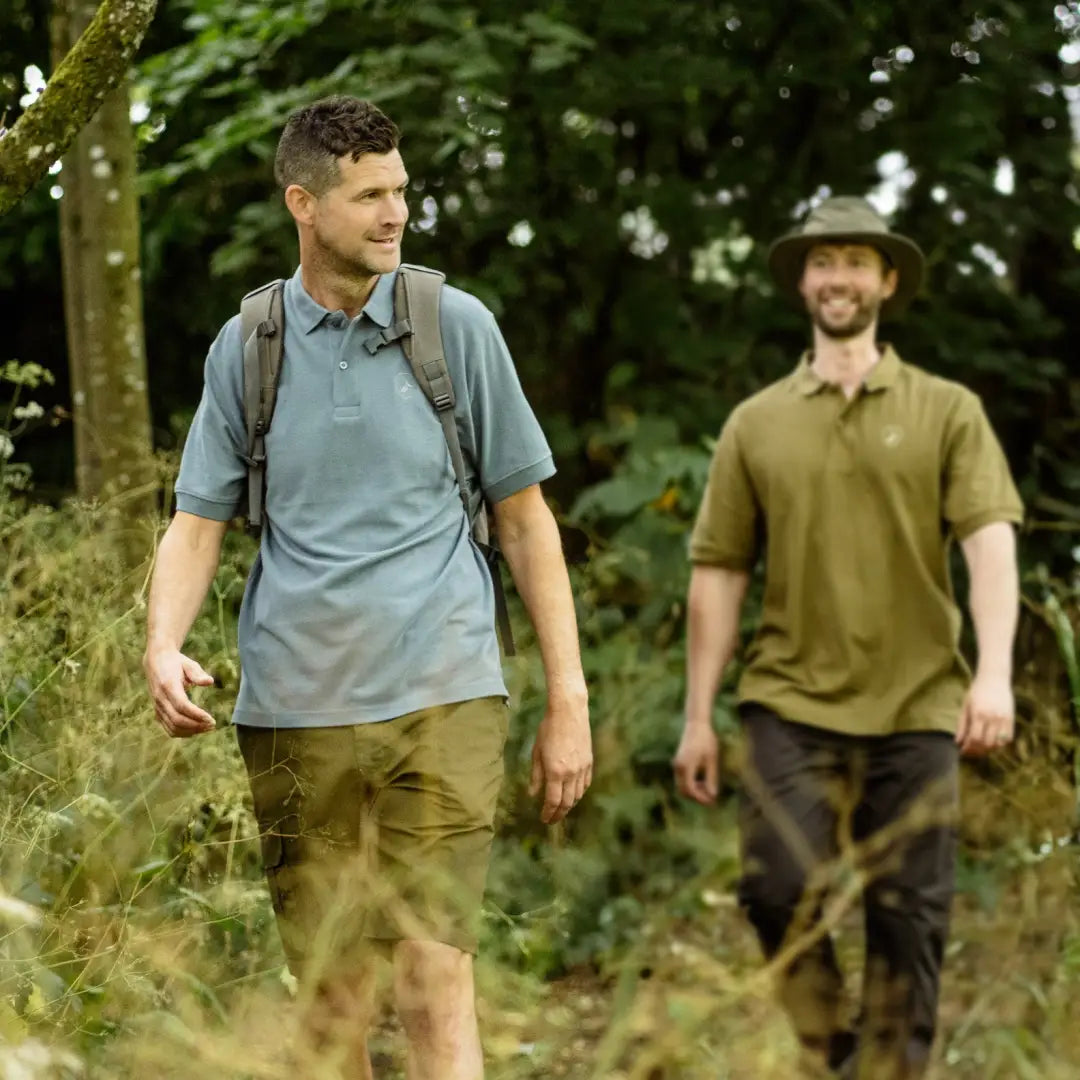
99,222
93,65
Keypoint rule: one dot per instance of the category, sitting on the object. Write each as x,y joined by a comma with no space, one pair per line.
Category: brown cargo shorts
377,833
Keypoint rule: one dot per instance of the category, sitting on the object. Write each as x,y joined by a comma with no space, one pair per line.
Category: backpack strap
417,292
262,326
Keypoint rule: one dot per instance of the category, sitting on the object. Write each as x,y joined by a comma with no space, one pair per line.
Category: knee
772,885
342,1008
434,990
772,893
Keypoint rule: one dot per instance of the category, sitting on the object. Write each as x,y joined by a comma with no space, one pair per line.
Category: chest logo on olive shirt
892,435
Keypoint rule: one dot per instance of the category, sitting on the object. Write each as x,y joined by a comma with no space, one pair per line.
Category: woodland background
606,177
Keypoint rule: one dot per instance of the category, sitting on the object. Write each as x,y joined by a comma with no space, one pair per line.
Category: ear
889,282
301,204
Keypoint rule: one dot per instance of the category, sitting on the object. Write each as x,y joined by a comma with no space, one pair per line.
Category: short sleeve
502,435
978,488
213,475
728,526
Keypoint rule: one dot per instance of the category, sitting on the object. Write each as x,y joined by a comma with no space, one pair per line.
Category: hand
562,759
697,763
987,721
170,674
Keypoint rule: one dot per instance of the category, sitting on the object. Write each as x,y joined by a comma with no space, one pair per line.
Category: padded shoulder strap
417,293
262,326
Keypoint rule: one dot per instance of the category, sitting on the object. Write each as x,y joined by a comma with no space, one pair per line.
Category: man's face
844,286
359,222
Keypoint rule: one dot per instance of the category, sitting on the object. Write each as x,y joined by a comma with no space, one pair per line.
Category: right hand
697,763
170,674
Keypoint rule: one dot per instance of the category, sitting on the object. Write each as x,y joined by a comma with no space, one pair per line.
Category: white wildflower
30,411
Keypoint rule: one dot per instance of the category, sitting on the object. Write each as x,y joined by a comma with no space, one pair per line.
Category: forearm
187,560
533,551
713,607
994,596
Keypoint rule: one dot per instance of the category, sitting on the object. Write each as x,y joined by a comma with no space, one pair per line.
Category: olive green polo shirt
853,504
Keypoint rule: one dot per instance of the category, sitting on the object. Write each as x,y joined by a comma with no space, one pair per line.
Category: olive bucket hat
847,219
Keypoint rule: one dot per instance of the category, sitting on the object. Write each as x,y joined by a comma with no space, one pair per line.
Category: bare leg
433,984
337,1023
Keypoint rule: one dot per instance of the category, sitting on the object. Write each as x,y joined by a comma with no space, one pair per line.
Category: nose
836,277
395,211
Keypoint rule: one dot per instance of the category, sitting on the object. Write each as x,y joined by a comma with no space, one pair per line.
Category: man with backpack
848,479
362,417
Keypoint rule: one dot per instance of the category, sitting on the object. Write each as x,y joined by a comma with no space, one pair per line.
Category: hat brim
787,257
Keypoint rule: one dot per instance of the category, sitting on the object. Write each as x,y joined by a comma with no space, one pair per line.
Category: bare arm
714,603
562,757
988,718
186,562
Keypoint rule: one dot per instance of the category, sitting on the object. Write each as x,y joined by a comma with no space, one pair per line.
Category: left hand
987,721
562,759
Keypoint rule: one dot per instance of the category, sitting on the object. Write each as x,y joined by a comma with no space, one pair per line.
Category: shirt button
343,365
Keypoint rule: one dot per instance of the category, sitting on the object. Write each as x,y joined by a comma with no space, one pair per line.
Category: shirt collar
309,314
882,375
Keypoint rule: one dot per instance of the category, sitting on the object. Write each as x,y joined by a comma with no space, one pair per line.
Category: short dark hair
316,135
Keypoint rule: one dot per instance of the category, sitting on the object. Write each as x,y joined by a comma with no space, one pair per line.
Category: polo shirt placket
344,335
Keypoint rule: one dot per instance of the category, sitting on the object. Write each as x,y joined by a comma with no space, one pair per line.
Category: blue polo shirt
368,598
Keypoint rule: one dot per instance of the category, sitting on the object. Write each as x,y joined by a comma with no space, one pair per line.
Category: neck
846,362
333,285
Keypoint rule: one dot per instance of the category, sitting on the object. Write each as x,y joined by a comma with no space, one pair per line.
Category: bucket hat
847,219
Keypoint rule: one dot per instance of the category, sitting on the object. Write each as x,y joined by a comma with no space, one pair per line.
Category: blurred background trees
607,178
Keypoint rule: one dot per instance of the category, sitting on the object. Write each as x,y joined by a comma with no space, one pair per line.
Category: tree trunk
99,227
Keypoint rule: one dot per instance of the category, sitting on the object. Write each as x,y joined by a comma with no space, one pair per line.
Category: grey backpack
417,291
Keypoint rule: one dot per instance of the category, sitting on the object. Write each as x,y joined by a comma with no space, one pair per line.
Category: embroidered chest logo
403,385
892,435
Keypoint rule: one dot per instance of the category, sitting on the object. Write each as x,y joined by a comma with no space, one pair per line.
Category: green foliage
608,180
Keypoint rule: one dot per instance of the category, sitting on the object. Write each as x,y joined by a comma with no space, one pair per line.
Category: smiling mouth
838,307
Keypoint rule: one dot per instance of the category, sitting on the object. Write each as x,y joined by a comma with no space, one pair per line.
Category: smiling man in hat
849,478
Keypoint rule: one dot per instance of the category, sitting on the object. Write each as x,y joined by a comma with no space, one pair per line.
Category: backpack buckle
442,402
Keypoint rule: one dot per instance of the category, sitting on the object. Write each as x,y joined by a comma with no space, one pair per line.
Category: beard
352,263
862,317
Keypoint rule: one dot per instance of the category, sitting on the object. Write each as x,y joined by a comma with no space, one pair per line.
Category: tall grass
136,937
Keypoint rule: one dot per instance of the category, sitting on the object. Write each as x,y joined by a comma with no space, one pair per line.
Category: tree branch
94,67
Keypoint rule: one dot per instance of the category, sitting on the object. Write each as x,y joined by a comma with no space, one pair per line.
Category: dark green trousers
817,805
